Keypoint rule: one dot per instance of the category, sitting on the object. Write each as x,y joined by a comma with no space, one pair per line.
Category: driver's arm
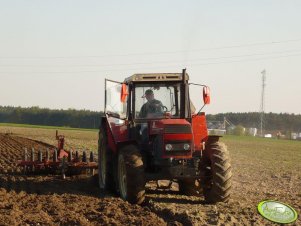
143,113
158,107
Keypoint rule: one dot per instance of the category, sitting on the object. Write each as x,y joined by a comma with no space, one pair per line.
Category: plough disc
54,161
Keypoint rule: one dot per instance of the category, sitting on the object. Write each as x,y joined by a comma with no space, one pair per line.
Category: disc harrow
57,160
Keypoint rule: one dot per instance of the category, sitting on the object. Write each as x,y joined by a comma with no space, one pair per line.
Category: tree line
91,119
271,121
48,117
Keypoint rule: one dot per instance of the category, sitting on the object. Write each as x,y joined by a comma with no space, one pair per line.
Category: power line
250,60
156,53
158,67
153,62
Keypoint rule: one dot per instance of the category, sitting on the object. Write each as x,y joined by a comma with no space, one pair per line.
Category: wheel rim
122,177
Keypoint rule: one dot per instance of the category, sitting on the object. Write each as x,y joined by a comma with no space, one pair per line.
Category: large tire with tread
105,169
217,173
131,176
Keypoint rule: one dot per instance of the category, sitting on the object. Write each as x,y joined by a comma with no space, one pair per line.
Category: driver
152,106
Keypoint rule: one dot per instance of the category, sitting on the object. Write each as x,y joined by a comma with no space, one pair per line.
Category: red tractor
150,131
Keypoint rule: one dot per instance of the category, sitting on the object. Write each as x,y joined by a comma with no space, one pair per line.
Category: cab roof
156,77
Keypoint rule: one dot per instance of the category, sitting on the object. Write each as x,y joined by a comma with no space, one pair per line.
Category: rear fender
104,130
200,132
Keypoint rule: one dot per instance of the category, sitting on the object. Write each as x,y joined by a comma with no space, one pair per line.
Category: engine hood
170,126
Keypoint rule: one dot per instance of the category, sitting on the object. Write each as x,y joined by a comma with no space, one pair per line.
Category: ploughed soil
49,200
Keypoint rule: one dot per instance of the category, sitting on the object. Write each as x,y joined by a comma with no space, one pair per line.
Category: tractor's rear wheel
105,172
131,177
216,169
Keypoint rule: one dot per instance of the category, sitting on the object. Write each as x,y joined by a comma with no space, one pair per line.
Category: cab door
116,110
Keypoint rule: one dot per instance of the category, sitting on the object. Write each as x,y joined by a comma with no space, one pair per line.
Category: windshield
157,100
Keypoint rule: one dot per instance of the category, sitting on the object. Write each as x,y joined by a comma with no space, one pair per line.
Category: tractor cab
147,105
149,121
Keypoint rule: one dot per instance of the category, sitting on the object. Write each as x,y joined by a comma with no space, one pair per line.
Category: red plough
57,160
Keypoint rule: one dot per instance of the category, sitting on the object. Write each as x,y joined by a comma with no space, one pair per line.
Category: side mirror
206,95
124,92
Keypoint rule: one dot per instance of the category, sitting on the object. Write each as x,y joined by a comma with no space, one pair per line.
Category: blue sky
56,54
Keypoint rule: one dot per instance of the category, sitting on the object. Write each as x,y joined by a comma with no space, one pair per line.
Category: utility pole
262,103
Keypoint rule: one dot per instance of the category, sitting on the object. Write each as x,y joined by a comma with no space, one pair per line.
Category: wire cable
153,62
166,66
156,53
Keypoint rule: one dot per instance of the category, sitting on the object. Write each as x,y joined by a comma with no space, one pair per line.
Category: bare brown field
74,138
262,169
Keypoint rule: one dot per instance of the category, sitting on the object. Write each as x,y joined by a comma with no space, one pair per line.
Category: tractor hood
174,133
170,126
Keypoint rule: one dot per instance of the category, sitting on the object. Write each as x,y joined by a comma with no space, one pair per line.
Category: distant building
217,132
294,136
252,131
216,128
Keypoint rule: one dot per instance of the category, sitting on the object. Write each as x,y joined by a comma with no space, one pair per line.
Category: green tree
239,130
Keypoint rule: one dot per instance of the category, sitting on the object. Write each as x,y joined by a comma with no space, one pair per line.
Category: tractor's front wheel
216,170
131,178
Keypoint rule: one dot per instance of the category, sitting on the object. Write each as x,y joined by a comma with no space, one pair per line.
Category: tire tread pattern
218,187
135,174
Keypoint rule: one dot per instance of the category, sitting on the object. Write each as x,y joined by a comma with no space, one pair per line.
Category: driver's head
149,94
